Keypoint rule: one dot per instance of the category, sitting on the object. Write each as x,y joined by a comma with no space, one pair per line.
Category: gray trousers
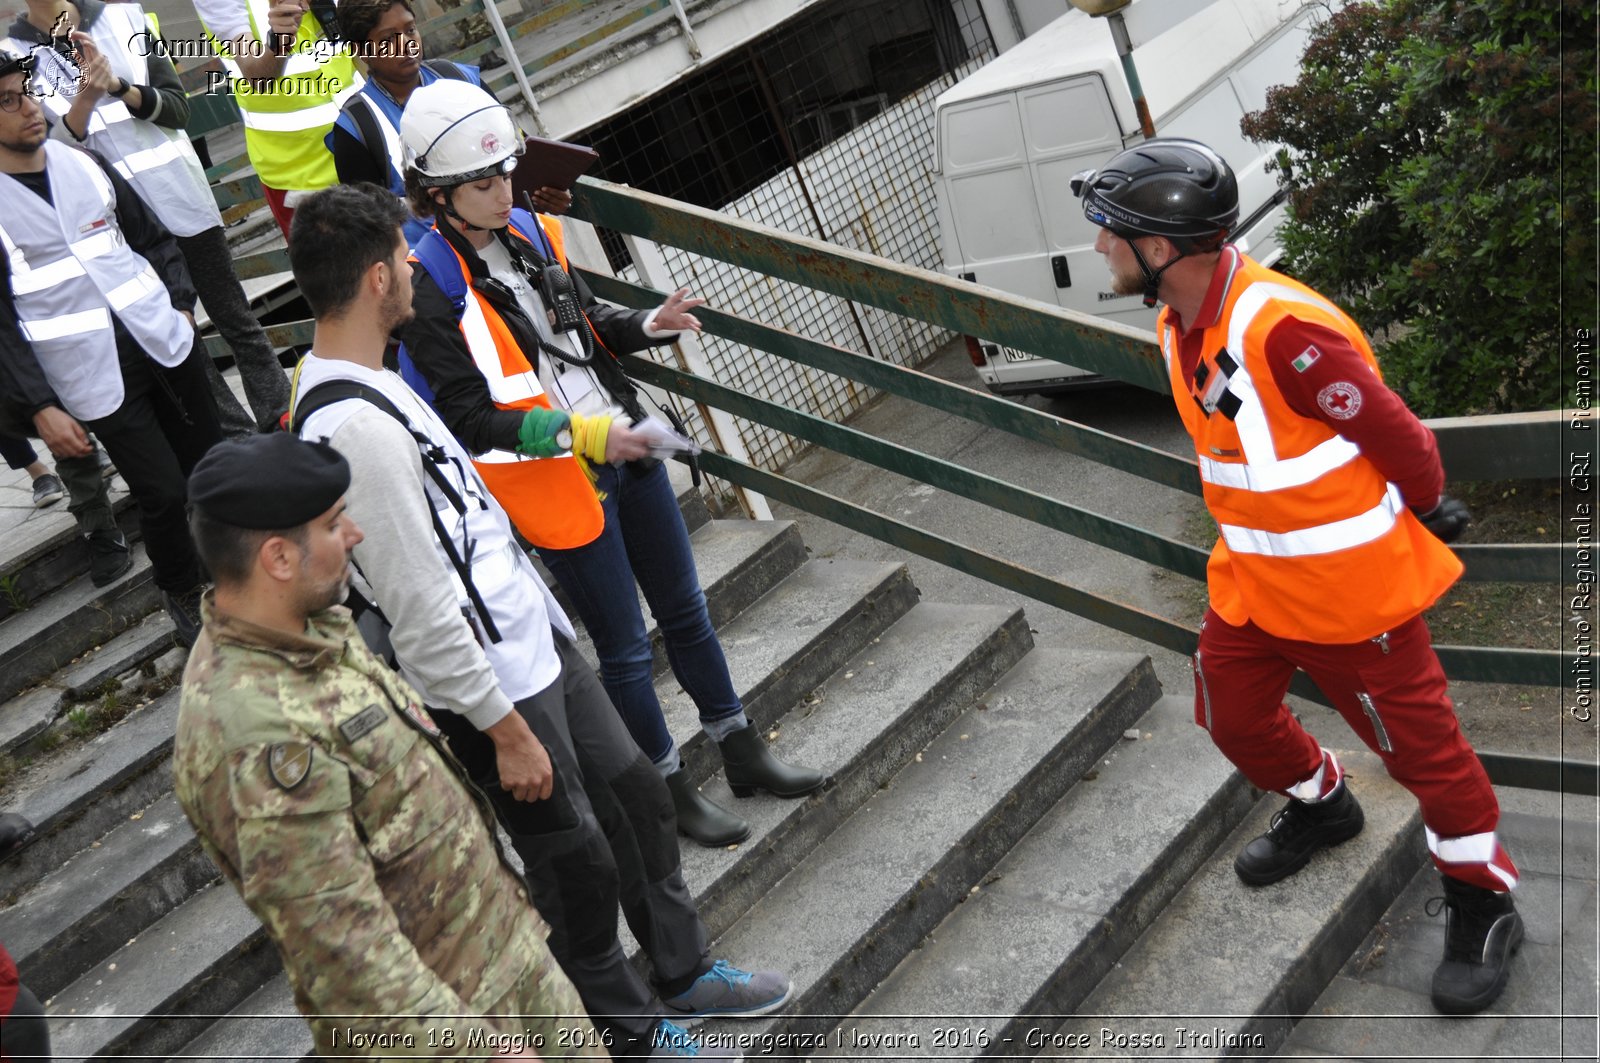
607,835
266,387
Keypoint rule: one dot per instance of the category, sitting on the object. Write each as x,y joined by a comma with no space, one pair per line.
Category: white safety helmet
455,132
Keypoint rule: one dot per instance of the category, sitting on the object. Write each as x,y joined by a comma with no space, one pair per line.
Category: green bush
1441,168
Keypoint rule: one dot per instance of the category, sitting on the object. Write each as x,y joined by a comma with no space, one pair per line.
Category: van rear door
1007,162
994,215
1070,127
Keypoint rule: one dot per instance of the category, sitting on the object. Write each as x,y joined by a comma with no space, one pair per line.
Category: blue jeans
645,540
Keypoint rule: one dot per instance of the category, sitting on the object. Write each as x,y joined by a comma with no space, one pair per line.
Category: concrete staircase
1020,852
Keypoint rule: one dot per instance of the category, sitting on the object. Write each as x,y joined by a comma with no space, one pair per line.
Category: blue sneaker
674,1042
729,993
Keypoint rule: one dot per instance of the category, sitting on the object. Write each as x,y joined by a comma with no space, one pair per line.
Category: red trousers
1392,692
281,213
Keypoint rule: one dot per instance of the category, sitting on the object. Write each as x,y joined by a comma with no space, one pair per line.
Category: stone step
200,960
842,920
930,664
861,726
785,644
75,798
90,906
1054,915
141,643
1378,1005
55,630
1226,967
265,1025
44,554
26,717
738,562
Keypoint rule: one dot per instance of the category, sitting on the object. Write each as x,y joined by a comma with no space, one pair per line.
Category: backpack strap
434,254
534,233
329,392
445,68
368,132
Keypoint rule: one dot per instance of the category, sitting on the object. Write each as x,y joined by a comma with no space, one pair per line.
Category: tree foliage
1441,167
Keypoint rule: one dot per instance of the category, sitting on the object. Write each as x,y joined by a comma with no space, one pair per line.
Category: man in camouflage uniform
318,785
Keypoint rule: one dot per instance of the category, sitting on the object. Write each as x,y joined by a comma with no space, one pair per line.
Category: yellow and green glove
545,433
589,435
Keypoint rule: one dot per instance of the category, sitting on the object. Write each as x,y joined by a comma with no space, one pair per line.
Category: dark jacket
461,395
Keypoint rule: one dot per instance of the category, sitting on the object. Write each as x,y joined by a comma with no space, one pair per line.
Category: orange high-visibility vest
550,500
1315,544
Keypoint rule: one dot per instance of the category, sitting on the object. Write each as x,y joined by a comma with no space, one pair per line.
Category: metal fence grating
824,128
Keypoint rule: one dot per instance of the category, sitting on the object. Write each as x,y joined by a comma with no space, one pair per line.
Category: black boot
109,557
184,609
1481,931
702,819
15,832
1299,829
751,767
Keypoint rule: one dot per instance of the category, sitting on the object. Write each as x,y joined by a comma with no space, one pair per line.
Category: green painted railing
1524,446
1519,447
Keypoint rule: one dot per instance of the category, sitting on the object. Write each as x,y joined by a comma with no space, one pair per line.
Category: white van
1009,138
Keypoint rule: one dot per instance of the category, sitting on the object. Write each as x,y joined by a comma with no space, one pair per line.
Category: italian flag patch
1306,359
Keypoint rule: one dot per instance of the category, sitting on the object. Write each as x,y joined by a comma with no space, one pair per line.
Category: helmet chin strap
1152,277
450,211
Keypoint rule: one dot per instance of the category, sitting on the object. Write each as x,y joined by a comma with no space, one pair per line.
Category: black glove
1447,520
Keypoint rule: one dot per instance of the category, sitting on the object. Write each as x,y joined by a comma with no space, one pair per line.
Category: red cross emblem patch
1340,401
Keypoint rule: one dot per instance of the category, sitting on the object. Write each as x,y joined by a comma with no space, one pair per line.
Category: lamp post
1111,11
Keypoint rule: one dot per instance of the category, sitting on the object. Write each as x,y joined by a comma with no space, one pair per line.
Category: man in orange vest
1328,494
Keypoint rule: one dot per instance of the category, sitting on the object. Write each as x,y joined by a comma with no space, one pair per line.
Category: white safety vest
71,270
160,163
524,660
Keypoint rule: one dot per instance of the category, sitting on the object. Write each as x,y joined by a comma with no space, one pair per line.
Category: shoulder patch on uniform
289,763
1307,357
362,723
1340,401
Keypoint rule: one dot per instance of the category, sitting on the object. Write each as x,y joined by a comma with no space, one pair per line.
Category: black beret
272,481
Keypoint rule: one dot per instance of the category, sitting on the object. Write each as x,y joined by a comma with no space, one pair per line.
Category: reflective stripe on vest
160,163
285,124
1263,470
550,500
393,148
1321,539
1314,544
71,270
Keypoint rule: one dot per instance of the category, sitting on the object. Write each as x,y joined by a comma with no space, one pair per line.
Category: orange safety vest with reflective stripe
550,500
1315,544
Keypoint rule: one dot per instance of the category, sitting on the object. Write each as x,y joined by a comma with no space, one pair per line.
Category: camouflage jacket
318,786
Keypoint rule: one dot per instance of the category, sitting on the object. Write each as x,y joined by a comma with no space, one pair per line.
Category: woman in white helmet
516,350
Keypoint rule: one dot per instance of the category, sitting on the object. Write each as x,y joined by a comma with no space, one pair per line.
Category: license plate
1013,355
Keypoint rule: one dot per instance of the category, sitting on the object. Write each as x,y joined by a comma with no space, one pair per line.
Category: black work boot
1299,829
1481,931
700,818
751,766
184,609
109,556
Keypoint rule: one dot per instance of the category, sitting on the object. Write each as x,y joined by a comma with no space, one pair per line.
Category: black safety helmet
1168,186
